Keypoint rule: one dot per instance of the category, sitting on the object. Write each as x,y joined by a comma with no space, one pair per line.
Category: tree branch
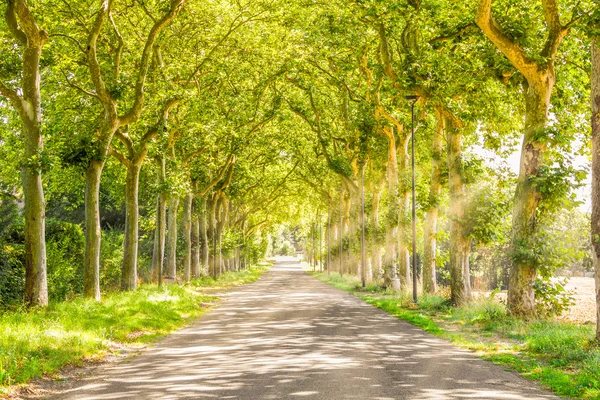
511,50
12,23
136,109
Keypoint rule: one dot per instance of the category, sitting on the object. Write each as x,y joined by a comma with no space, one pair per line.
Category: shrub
12,274
552,299
111,259
65,244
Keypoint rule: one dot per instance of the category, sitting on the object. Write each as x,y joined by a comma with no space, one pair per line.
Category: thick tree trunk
435,189
391,226
376,250
196,265
595,78
129,272
171,268
521,296
404,235
460,244
187,236
36,286
204,247
93,231
27,102
158,254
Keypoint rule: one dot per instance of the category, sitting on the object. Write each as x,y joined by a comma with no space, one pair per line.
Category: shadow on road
290,336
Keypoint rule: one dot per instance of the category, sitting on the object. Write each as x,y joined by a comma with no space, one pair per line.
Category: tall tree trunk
435,189
404,239
93,231
158,254
171,269
36,286
460,244
20,22
389,260
129,271
521,296
596,172
196,265
204,252
375,264
187,236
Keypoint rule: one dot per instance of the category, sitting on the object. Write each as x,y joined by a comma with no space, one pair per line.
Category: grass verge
40,341
564,357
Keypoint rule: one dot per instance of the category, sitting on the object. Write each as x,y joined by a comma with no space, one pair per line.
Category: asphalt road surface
290,336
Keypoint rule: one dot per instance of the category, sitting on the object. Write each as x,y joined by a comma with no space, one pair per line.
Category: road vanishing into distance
290,336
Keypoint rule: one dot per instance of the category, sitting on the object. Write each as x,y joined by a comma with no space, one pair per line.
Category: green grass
40,341
562,356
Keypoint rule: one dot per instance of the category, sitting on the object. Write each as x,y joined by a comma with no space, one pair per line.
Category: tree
26,100
111,121
538,71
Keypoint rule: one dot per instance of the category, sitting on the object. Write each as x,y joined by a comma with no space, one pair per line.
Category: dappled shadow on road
290,336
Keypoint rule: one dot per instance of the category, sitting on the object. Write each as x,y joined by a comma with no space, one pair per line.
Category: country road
290,336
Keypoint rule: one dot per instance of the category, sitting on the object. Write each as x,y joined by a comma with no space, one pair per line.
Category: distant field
584,293
584,309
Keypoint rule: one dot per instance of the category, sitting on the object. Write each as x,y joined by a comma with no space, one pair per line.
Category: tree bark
389,260
595,219
158,254
460,243
376,250
93,231
204,246
36,286
404,240
196,265
435,189
129,271
171,269
187,236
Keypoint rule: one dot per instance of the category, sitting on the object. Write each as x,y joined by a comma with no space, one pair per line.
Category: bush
552,299
111,259
12,274
65,245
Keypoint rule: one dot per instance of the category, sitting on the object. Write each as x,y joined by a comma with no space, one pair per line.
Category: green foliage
12,274
551,297
340,165
65,244
111,259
